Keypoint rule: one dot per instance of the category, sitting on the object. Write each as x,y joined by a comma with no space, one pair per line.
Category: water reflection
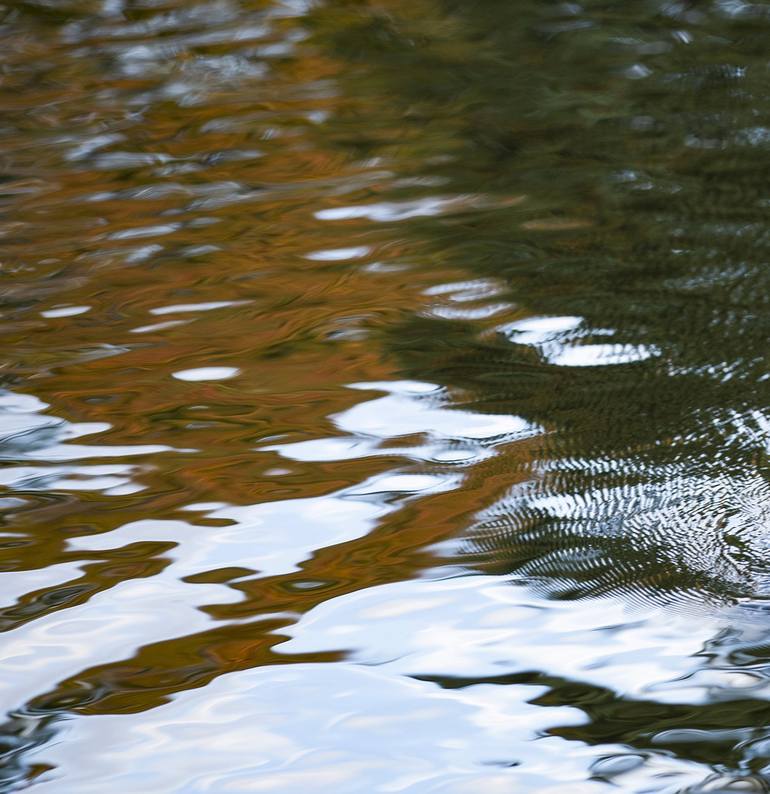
384,391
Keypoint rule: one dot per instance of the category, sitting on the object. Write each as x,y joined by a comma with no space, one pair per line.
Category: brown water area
384,396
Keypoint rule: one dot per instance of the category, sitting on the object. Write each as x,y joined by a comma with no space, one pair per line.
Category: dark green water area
384,396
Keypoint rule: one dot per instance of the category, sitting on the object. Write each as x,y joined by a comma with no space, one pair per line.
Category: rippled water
384,398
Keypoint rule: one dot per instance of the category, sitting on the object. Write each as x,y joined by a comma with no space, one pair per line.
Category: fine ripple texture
384,399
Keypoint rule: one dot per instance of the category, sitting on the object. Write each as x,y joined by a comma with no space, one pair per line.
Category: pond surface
385,396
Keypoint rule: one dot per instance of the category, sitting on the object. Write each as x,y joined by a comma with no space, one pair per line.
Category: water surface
384,396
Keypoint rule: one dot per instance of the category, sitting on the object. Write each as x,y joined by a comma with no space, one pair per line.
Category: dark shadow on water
638,260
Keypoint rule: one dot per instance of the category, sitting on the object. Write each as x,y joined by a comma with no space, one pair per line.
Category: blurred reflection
357,355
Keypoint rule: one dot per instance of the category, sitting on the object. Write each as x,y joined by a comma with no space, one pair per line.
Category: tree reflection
635,140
